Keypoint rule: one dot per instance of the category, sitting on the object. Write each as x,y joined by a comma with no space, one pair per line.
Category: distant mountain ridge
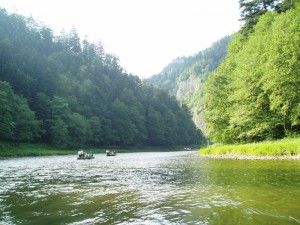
184,77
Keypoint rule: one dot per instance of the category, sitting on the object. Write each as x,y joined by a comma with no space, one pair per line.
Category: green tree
80,94
26,126
136,114
281,78
17,121
155,127
59,133
286,5
6,118
216,101
96,137
254,94
79,130
252,10
124,129
58,122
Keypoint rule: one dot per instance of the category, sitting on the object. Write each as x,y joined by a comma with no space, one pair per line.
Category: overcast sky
145,34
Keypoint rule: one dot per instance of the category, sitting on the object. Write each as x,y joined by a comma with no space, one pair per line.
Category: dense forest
244,88
67,92
254,94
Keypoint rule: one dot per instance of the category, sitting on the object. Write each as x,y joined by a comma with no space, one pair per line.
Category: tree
96,137
136,114
124,129
79,130
17,120
281,78
26,126
58,122
254,94
216,100
251,10
286,5
6,118
80,94
155,127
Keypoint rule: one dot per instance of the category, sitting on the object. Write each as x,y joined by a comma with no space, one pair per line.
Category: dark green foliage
286,5
17,120
252,10
75,94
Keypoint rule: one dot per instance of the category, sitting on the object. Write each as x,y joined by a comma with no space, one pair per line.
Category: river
148,188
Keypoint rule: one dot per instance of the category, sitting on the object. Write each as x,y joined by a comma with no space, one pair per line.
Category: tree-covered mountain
68,92
182,68
254,95
184,77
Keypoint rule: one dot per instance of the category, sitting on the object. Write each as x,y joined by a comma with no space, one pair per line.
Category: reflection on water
148,188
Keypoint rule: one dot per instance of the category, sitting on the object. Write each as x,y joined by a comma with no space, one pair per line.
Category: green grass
268,148
19,150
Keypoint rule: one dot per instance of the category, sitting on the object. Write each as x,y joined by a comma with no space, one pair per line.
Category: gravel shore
251,157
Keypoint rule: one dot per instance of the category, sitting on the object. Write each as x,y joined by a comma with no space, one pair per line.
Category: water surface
148,188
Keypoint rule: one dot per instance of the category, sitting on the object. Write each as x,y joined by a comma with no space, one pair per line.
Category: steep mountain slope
184,77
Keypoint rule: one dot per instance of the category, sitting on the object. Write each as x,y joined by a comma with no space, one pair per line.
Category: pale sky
145,34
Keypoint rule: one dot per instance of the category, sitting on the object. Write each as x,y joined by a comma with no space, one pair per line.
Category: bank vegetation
287,148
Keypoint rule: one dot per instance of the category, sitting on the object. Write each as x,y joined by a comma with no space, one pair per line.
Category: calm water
148,188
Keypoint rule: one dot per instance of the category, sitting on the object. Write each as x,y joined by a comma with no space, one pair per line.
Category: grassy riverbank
285,147
20,150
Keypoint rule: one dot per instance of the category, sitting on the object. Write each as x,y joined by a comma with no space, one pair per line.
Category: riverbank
251,157
269,150
24,149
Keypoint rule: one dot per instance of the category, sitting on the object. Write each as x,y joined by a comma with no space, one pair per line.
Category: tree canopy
68,92
255,93
251,10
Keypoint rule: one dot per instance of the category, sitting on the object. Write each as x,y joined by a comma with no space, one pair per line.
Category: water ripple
146,188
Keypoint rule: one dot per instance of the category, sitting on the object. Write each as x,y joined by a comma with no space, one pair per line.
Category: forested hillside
185,76
255,93
68,92
182,68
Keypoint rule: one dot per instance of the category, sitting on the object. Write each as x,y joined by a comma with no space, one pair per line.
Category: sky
145,35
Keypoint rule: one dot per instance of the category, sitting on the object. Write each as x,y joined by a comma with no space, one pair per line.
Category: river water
148,188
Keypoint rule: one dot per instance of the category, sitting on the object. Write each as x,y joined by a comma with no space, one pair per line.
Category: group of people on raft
83,154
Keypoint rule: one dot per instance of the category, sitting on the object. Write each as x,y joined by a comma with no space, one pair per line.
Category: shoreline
249,157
